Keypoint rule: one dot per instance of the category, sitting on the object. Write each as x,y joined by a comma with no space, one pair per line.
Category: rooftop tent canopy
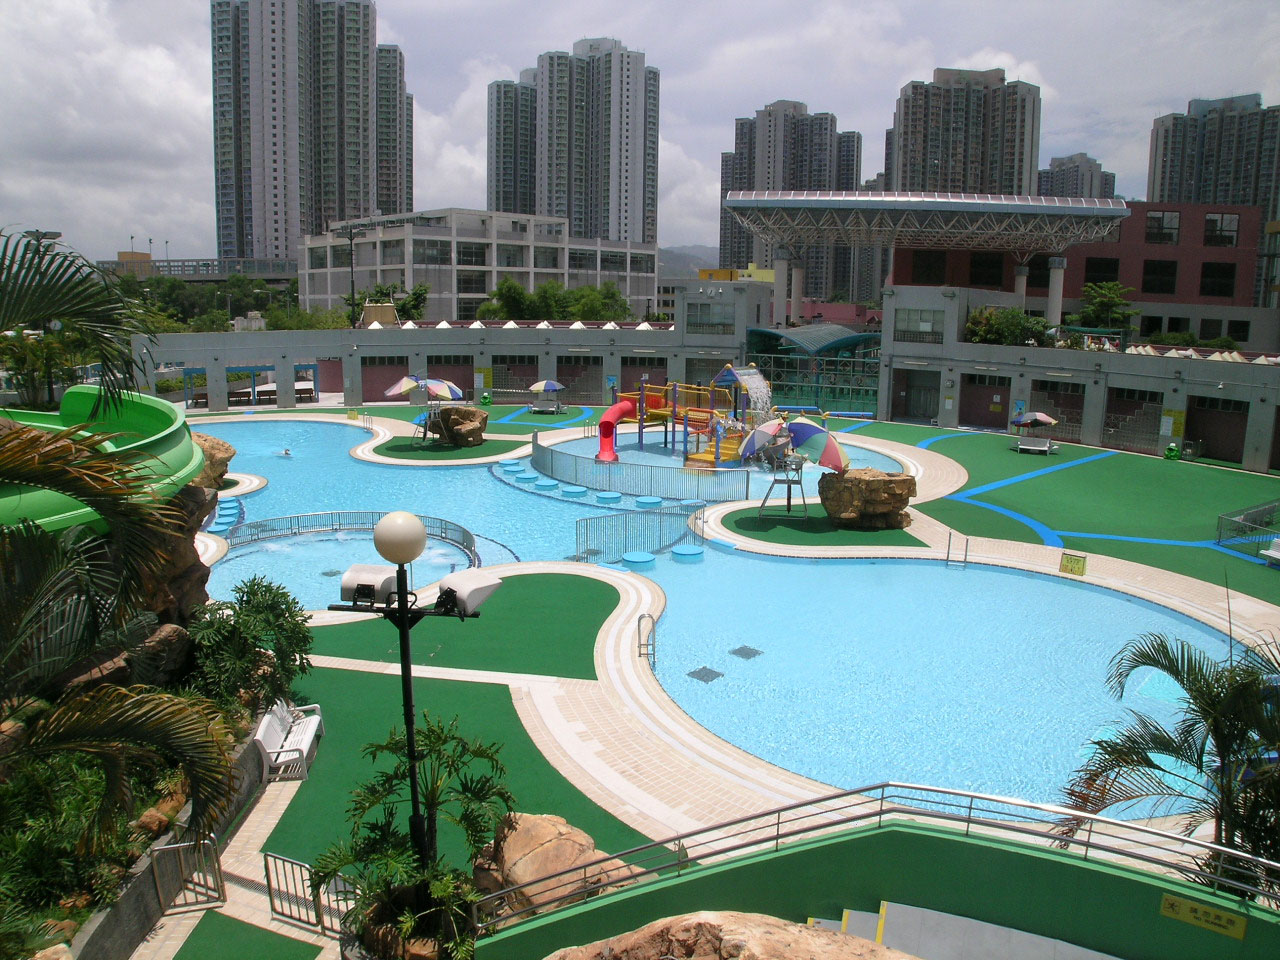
815,339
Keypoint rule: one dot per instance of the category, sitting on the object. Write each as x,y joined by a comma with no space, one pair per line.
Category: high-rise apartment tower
784,147
1222,151
966,132
1078,175
577,137
311,123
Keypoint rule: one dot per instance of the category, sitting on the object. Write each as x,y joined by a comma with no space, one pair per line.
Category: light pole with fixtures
351,234
399,538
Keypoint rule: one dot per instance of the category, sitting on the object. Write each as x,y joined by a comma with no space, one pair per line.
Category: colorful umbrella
546,386
1033,419
402,386
803,430
441,389
822,449
762,436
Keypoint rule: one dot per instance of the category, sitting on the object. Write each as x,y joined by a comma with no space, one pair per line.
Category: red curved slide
608,424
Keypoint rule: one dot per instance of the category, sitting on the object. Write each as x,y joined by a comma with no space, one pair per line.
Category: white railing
303,523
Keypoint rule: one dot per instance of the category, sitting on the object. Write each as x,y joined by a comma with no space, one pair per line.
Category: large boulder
180,585
460,426
530,846
865,499
710,935
217,457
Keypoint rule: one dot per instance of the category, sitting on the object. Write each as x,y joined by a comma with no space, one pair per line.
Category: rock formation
866,499
721,934
528,846
461,426
217,457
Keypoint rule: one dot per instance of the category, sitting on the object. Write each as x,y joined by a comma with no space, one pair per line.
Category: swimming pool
972,678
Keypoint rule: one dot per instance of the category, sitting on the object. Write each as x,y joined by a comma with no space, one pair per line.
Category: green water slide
147,424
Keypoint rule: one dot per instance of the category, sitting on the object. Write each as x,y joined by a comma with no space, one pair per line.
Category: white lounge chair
1036,445
1272,553
546,404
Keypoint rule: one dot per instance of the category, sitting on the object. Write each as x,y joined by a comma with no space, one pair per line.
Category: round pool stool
638,560
516,467
547,483
648,503
608,496
693,503
526,477
686,553
509,463
574,491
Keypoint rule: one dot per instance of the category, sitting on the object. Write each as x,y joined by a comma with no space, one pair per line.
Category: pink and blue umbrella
441,389
815,443
546,386
762,436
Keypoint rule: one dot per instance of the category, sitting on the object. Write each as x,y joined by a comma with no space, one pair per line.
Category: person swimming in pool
286,453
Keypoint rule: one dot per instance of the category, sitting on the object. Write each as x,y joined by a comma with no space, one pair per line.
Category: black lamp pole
350,234
404,617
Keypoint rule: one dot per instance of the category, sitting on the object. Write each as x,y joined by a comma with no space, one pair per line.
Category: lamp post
351,234
38,237
399,538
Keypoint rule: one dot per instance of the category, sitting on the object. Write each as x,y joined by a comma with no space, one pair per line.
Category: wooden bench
286,739
1272,553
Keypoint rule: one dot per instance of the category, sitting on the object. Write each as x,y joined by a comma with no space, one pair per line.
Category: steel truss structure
950,221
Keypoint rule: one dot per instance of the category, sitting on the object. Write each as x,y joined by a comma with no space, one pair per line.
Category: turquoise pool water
858,671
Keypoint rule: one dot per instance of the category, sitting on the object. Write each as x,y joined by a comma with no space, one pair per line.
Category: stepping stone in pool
746,653
705,674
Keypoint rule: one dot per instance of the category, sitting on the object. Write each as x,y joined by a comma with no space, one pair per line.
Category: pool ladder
647,644
961,557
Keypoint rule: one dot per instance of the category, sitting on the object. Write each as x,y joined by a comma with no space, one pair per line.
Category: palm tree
1215,764
41,283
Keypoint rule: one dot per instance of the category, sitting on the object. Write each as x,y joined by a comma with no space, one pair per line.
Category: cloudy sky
106,118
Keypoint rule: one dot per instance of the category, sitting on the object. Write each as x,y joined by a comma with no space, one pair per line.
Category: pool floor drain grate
705,674
746,653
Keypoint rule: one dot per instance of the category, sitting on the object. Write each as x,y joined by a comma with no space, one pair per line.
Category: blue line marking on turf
855,426
514,417
1009,481
1047,536
929,442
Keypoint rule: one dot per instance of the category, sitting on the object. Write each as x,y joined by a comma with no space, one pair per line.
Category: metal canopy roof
815,338
948,221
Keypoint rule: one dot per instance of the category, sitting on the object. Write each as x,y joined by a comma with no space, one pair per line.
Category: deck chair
547,403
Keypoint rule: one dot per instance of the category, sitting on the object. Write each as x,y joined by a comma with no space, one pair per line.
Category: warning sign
1203,915
1072,563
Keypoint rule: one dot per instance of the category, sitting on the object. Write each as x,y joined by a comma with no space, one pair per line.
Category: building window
986,269
642,263
1162,226
1221,229
1210,328
1179,324
582,259
613,262
1038,271
1217,279
917,326
1101,269
1150,325
473,254
473,281
929,268
392,251
546,258
319,258
1238,330
510,255
1159,276
431,252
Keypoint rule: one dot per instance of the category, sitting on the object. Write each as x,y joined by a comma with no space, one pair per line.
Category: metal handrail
298,524
870,808
647,647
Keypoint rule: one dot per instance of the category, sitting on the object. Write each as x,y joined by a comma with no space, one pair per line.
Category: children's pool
847,671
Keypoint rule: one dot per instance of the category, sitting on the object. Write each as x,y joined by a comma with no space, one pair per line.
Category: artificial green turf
1201,563
1137,496
527,422
971,520
539,623
908,433
219,937
814,530
363,707
409,448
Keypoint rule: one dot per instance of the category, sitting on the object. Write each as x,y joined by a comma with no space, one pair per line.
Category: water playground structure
712,421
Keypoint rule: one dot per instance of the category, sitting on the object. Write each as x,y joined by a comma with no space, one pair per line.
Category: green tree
1006,326
552,302
258,644
44,285
1103,306
1215,764
509,301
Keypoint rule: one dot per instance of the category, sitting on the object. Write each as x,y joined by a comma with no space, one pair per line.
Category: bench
1272,553
1036,445
286,739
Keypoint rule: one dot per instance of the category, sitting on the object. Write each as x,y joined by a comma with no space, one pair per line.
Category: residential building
297,116
784,147
1220,151
463,254
969,131
1078,175
582,128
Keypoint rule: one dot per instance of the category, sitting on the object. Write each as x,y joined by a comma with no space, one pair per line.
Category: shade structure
402,386
762,436
546,386
802,430
1033,419
442,389
822,449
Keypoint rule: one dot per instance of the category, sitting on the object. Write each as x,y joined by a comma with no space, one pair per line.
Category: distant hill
684,262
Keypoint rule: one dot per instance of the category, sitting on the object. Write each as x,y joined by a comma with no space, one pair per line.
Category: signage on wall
1203,915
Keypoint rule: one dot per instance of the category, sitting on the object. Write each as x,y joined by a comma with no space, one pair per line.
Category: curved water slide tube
624,408
147,424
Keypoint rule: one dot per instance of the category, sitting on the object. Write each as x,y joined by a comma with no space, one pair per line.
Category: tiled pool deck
625,745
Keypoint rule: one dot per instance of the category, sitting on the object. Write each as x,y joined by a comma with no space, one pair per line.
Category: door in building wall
915,395
1218,426
984,401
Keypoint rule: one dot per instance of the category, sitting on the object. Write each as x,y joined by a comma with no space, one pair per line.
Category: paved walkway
624,743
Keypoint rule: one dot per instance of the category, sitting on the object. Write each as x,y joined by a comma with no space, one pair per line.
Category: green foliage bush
1006,326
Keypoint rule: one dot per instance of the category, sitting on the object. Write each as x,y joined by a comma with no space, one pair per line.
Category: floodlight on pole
351,234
